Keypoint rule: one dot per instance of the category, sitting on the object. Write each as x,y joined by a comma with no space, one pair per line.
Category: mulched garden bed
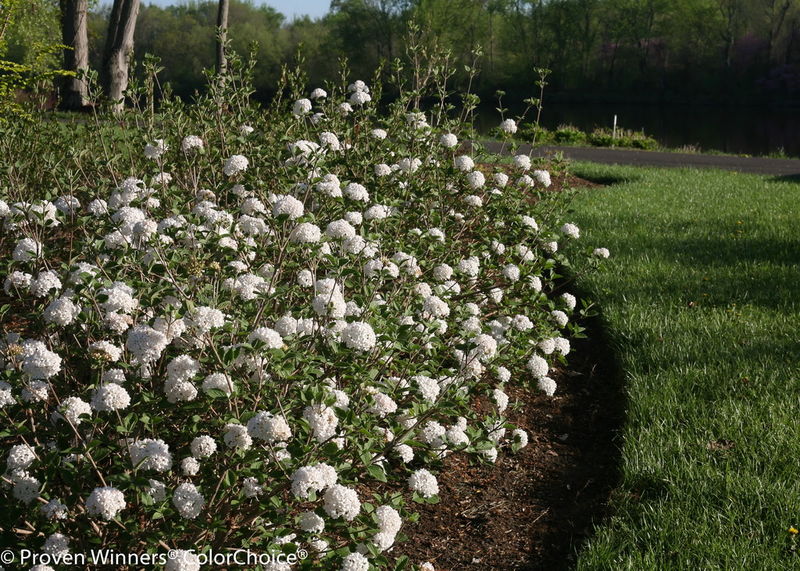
533,509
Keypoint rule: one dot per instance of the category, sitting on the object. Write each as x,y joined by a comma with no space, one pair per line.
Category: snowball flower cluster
146,344
203,319
355,562
448,140
150,454
20,457
191,142
237,436
301,107
542,177
188,500
203,446
72,408
156,150
26,250
356,191
316,478
547,385
235,164
522,162
464,163
306,233
110,397
38,362
341,502
105,502
424,483
389,523
538,366
508,126
183,560
571,231
269,428
288,206
359,336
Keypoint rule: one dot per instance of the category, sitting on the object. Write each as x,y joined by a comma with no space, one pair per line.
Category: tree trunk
730,13
118,51
222,35
74,91
776,21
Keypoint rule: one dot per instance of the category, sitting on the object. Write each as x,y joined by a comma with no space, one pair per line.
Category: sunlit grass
701,301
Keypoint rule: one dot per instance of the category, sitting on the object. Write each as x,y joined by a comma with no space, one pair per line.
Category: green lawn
701,298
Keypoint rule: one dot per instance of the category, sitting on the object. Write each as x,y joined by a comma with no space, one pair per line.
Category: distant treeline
622,50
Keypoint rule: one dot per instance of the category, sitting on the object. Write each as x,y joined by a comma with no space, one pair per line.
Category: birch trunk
222,35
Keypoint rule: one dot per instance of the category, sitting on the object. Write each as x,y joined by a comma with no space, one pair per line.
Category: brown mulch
533,509
568,180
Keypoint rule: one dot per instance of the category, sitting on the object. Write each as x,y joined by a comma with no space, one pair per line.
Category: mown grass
701,299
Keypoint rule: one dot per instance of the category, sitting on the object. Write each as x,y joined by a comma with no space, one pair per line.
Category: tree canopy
671,50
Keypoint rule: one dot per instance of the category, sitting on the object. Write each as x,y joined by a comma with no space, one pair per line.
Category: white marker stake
614,134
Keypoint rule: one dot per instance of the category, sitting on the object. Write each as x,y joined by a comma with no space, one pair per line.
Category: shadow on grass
759,271
793,178
605,179
606,175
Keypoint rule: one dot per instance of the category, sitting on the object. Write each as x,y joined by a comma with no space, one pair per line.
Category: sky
289,8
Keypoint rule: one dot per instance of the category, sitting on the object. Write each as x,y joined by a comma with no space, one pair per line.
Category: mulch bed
568,180
533,509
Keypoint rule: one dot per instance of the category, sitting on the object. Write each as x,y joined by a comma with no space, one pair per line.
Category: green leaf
377,472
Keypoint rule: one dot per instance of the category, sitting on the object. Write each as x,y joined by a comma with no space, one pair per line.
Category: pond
738,130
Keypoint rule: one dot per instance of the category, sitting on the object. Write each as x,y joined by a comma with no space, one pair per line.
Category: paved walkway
755,165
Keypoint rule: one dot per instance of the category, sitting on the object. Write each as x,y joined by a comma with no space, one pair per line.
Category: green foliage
29,55
599,137
183,39
33,27
569,135
20,84
605,137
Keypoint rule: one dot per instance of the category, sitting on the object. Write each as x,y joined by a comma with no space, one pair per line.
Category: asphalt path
789,168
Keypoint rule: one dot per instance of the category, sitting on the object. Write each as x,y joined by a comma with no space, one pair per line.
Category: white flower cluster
105,502
359,336
424,483
188,500
342,502
38,362
508,126
235,164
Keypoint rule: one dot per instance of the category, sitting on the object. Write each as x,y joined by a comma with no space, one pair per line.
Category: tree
118,51
730,10
74,91
775,15
222,35
367,31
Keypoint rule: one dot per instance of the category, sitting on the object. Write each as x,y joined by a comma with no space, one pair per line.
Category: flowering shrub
267,330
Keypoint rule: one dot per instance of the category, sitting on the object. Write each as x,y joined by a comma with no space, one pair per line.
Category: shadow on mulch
535,509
